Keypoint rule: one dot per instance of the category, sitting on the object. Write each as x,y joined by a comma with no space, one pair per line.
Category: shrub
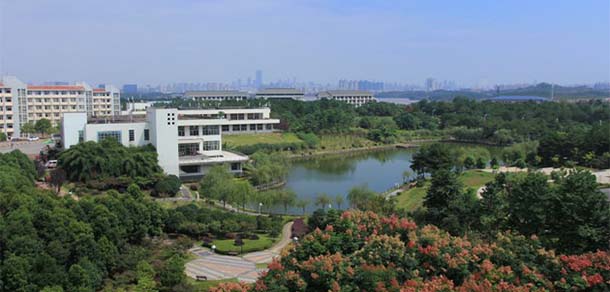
167,186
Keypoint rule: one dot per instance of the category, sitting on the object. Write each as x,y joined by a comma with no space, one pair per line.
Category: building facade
23,103
280,93
188,142
353,97
213,95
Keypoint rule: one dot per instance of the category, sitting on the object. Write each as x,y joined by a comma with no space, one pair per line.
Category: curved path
218,267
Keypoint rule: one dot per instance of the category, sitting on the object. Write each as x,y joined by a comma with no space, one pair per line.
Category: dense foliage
108,158
365,252
49,241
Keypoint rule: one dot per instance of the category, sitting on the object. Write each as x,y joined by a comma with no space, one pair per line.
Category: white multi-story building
354,97
188,142
232,120
281,93
213,95
30,103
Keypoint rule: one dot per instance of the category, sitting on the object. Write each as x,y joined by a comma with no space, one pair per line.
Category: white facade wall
72,124
163,135
92,131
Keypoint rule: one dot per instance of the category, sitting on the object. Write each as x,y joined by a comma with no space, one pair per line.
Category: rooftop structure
216,95
353,97
280,93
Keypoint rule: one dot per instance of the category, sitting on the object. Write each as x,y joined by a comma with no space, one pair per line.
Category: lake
337,174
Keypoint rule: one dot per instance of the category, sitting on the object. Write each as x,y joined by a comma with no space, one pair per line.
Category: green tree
339,201
172,272
28,128
323,200
218,184
433,157
287,198
360,196
302,204
145,278
43,126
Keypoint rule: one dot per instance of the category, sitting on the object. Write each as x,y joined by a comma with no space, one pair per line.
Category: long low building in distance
188,142
353,97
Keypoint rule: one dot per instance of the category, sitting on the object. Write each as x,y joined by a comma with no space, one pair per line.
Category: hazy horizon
152,42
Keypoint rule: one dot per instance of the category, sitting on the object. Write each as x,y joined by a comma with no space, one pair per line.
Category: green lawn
205,285
227,245
266,138
413,198
476,178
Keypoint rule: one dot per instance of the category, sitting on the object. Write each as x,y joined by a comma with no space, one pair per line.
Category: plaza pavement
218,267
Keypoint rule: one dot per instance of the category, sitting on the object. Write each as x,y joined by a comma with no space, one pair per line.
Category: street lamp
260,205
213,248
295,239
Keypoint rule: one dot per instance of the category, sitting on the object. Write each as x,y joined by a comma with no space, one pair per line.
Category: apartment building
216,95
188,142
12,105
31,103
280,93
353,97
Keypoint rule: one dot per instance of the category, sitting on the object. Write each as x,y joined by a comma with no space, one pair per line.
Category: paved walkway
602,176
217,267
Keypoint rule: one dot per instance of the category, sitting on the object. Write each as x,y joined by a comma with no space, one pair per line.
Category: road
29,148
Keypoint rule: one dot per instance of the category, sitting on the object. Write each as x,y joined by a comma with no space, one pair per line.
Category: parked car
33,138
56,137
51,164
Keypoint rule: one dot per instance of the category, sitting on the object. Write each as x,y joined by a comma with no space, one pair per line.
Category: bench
201,278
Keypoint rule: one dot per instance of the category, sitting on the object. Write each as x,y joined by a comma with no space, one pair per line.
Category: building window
269,126
146,135
253,127
236,166
181,131
210,130
244,127
225,128
109,134
194,130
211,145
235,128
81,136
132,135
259,127
188,149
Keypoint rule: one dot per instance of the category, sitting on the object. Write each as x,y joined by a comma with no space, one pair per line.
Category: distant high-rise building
130,88
258,81
430,84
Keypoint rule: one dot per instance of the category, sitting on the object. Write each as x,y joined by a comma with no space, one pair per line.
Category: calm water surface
336,175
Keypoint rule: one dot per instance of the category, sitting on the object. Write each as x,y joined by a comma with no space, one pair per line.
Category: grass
263,138
476,178
227,245
413,198
205,285
335,142
261,265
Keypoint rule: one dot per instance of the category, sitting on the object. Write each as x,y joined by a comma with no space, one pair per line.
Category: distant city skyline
474,43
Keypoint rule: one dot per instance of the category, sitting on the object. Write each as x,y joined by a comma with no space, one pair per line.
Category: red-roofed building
36,102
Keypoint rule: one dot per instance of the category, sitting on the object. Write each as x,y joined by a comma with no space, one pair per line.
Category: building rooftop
287,91
519,98
55,87
344,92
215,93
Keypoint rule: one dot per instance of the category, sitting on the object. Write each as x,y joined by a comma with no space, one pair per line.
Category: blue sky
161,41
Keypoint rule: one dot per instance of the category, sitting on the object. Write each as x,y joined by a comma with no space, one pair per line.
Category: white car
51,164
33,138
